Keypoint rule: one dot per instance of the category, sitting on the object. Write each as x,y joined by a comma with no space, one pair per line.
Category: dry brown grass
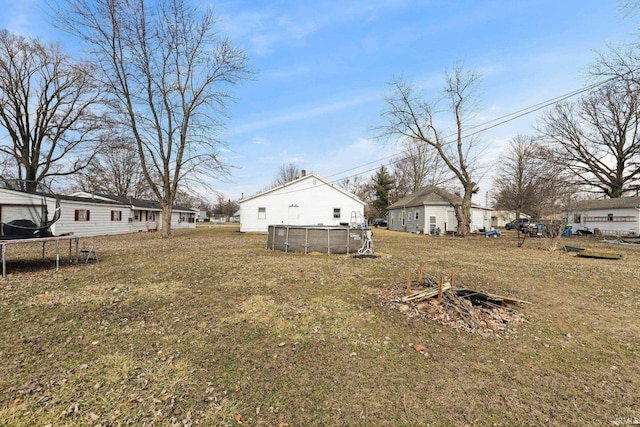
210,326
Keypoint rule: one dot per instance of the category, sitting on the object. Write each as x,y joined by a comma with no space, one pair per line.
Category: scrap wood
508,300
573,249
620,242
479,298
427,293
588,253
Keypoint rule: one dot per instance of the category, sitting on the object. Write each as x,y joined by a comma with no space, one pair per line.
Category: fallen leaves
420,347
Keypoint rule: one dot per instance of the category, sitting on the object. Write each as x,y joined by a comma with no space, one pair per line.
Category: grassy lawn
211,328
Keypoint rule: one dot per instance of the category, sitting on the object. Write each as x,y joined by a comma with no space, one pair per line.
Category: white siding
480,218
99,222
623,221
18,205
307,201
182,219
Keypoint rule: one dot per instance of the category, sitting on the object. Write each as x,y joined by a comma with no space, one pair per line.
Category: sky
323,67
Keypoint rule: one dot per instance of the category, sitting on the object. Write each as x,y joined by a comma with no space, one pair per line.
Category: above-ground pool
315,238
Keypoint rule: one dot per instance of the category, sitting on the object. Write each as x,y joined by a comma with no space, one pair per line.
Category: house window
116,215
336,213
577,218
152,216
262,213
609,217
82,215
136,215
417,215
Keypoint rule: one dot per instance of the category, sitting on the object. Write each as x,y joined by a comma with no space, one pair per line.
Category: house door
452,222
294,215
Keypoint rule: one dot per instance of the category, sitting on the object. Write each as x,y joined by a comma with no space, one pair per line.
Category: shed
308,200
430,210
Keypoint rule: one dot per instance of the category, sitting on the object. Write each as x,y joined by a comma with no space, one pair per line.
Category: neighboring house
308,200
203,216
501,218
145,215
85,214
430,210
235,217
619,216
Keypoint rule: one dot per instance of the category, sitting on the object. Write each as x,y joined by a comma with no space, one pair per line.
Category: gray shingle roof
622,202
429,195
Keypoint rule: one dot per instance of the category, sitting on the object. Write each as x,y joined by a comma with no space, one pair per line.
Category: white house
430,210
308,200
620,216
143,215
84,214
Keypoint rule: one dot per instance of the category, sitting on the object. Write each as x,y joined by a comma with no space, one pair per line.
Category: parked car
517,224
380,222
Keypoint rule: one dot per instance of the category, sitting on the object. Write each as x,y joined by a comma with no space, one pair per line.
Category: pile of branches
458,307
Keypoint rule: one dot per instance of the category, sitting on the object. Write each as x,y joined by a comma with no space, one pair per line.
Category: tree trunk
463,215
167,210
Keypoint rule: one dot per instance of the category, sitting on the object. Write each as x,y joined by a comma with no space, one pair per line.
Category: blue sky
323,69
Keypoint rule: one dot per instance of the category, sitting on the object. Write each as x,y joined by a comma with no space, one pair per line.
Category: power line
493,123
482,127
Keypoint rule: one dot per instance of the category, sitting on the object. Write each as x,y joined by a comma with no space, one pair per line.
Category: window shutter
112,215
88,212
76,214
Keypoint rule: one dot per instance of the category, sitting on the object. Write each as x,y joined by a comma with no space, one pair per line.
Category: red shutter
76,214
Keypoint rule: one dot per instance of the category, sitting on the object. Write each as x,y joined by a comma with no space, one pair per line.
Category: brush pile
457,306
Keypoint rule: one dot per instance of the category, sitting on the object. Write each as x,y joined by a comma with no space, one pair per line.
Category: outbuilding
308,200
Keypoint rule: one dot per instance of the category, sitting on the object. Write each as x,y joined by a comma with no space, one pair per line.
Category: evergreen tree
382,184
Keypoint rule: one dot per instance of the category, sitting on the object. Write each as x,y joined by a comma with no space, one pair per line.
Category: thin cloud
305,113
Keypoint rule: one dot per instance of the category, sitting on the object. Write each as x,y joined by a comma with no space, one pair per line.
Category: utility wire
482,127
493,123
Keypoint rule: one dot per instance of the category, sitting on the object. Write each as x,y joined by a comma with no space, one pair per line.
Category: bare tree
46,105
286,173
418,166
115,170
363,189
526,181
224,206
168,72
597,138
414,119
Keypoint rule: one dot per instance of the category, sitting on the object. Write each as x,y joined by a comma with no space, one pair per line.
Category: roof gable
297,182
429,195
